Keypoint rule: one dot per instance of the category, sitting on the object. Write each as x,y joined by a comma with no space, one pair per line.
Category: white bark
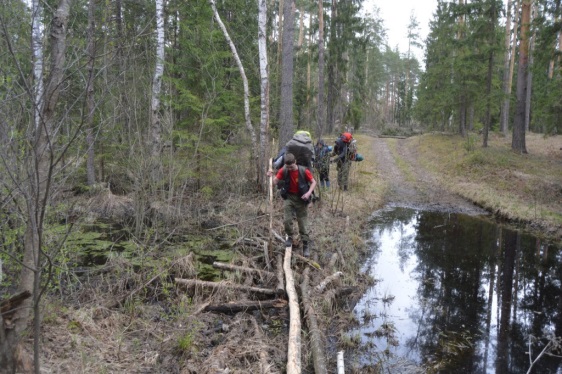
294,347
244,79
341,367
155,130
264,88
37,50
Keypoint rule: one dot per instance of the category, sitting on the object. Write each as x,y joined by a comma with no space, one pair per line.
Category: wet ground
456,292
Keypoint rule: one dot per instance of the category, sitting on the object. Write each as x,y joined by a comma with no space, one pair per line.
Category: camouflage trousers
343,174
293,204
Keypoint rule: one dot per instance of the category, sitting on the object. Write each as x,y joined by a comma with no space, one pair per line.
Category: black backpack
284,183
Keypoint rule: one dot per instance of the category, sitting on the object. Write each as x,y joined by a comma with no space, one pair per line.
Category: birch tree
30,163
264,89
249,127
155,122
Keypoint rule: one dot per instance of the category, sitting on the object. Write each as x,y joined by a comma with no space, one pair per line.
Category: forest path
409,183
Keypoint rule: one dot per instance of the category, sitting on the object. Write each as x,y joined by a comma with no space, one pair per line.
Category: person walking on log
296,185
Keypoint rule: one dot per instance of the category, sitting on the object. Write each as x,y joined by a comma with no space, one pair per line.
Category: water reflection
458,293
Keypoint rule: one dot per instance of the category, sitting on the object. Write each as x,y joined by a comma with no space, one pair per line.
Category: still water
458,294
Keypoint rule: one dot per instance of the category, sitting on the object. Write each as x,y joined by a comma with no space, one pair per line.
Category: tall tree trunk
90,162
309,73
264,90
518,138
504,115
286,110
40,167
280,31
493,19
332,69
301,28
530,74
320,114
155,123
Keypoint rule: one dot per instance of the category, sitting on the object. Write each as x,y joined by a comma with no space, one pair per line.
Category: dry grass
518,187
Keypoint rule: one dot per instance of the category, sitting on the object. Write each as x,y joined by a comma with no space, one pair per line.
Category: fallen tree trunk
230,267
322,286
318,357
294,346
190,283
245,306
280,278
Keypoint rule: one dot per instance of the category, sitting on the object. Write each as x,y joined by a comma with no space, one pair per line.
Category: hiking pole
270,244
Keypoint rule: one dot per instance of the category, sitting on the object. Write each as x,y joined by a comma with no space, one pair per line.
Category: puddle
457,294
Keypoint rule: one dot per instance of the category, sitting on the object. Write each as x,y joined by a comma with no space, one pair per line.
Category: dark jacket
340,150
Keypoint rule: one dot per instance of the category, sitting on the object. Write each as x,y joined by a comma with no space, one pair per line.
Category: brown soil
411,185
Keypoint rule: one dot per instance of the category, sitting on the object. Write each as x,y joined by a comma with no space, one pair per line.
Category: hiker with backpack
296,184
322,152
300,145
344,154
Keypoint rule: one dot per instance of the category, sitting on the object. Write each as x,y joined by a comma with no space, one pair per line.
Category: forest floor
158,327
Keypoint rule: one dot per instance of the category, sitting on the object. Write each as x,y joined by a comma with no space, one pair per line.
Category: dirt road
410,185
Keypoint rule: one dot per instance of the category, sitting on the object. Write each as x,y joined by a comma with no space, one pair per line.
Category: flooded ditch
457,294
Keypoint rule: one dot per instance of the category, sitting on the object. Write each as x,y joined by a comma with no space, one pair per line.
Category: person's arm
341,155
275,178
312,185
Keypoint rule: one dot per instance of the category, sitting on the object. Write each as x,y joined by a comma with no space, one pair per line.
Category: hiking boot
289,242
305,249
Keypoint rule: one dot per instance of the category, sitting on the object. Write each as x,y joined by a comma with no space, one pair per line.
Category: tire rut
412,186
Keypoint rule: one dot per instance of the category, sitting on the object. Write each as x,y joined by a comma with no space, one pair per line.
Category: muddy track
409,184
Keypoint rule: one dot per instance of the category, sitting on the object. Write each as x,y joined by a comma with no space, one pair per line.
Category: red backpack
346,137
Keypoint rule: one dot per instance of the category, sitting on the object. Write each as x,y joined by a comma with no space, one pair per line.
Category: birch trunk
40,168
254,149
155,122
264,91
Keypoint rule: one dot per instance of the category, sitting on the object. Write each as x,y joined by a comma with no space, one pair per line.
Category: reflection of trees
538,307
461,262
453,256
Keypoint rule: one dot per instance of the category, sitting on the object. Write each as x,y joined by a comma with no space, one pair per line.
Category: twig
237,223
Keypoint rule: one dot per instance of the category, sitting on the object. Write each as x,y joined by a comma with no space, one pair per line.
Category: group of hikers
295,180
